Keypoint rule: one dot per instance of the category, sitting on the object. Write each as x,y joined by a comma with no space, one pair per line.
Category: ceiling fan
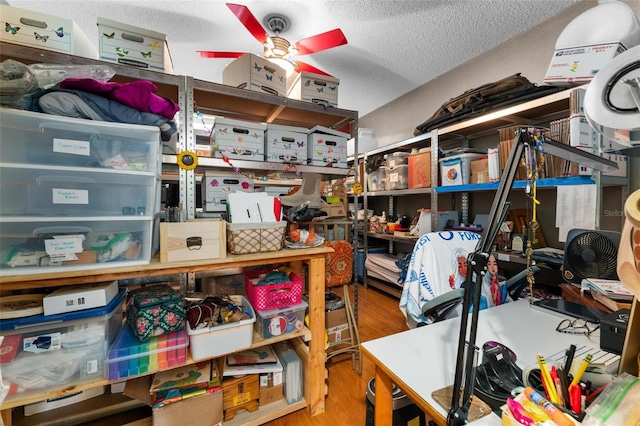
276,47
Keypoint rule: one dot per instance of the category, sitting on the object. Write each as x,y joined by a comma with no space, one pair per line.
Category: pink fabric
139,94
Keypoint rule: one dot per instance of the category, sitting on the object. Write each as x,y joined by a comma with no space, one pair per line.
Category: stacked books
184,382
611,293
260,361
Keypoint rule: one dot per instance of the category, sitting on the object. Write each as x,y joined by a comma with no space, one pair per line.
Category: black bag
509,90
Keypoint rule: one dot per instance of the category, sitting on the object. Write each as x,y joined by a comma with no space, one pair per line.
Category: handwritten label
503,257
70,196
70,146
56,246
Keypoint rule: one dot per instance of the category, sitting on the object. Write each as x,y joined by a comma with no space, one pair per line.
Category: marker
581,370
567,365
555,414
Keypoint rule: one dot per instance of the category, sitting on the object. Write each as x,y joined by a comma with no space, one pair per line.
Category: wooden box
240,393
195,240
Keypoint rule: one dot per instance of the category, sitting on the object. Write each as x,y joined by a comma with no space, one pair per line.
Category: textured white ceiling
393,46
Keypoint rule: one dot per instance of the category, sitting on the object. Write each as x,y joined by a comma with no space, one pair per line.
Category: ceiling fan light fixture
277,47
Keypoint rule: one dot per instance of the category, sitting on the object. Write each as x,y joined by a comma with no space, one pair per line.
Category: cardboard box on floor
202,410
337,325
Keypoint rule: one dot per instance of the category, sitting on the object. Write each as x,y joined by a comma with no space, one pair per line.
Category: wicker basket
245,238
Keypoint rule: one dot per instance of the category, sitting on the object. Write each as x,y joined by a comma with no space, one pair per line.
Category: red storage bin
272,296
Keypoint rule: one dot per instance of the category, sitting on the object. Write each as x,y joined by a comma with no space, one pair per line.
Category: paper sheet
575,208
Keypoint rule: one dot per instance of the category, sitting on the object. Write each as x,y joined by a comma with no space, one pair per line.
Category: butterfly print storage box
237,139
310,87
286,144
217,184
129,45
46,32
255,73
327,146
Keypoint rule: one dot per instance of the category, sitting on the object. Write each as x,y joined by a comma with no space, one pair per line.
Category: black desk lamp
464,381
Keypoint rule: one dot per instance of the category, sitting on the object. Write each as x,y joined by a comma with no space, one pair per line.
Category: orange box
420,170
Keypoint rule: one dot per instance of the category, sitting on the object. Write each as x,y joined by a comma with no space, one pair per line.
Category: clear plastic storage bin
33,245
396,159
51,140
279,321
56,191
60,349
398,177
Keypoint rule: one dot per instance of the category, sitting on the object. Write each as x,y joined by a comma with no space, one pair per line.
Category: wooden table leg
6,417
317,354
384,399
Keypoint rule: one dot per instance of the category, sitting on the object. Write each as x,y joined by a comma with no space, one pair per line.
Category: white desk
422,360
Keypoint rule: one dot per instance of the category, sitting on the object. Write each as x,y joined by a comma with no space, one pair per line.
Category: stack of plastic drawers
76,194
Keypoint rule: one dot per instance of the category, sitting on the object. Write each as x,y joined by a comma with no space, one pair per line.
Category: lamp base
477,410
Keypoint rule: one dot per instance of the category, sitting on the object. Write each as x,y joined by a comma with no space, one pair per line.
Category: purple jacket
139,95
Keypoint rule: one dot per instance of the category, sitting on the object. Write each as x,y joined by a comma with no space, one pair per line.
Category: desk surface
422,360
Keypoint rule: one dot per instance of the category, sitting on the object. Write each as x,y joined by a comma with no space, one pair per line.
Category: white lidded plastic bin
456,170
52,140
397,159
223,339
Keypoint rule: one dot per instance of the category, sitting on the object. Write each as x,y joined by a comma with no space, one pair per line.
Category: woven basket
245,238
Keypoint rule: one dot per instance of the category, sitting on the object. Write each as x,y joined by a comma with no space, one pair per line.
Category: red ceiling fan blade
302,66
249,21
209,54
321,42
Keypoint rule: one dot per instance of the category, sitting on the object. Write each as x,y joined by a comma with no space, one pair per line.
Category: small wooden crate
195,240
240,393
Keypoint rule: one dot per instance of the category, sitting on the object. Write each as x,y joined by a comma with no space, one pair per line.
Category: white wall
528,53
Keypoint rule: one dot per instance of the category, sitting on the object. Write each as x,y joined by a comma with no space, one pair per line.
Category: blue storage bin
361,257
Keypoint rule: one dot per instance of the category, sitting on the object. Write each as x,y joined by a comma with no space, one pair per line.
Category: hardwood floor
378,316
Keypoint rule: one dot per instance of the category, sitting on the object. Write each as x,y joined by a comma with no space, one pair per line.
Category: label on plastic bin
70,146
70,196
42,343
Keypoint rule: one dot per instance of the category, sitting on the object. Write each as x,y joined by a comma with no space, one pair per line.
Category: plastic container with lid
279,321
398,177
456,169
396,159
59,349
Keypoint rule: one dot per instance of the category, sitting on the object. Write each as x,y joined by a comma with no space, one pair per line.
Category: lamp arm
477,263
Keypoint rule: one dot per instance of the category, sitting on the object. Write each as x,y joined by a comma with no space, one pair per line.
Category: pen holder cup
246,238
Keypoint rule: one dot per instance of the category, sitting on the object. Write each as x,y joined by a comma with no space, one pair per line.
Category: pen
581,370
564,383
567,365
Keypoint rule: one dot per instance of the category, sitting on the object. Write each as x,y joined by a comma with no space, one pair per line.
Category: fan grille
592,255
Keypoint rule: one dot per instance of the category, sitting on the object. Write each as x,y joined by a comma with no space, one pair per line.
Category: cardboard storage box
201,410
420,169
194,240
337,325
480,171
327,146
580,64
129,45
285,144
47,32
79,297
237,139
311,87
60,349
216,185
256,73
269,394
62,401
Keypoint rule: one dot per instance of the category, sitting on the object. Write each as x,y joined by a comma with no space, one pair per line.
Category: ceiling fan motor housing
590,254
